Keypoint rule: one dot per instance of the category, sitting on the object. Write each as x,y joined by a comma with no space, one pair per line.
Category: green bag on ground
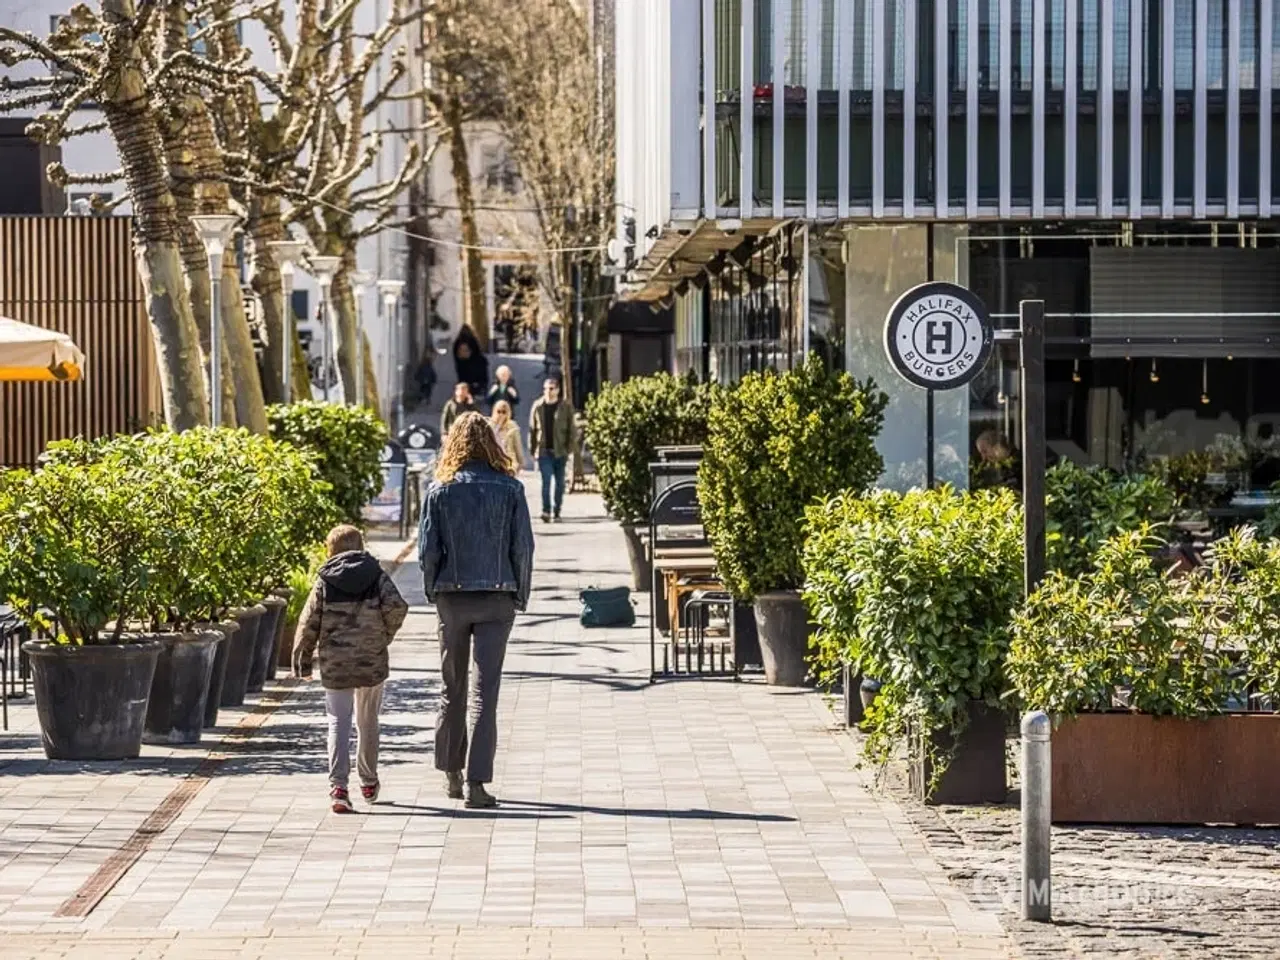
607,608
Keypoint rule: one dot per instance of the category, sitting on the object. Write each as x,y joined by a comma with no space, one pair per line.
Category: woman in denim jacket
476,550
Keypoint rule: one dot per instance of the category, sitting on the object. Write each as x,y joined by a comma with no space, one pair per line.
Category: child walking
350,618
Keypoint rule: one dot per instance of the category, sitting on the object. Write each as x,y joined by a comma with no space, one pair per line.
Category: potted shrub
74,539
346,445
626,423
774,445
1147,676
918,589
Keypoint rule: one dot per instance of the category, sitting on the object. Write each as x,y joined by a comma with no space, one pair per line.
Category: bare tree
101,56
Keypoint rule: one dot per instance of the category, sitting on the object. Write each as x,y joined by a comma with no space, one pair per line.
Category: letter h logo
938,333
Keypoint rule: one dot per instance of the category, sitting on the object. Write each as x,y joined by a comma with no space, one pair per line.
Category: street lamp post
288,254
391,290
323,269
215,232
360,281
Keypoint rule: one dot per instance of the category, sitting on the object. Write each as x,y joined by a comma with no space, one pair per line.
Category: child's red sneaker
341,801
370,792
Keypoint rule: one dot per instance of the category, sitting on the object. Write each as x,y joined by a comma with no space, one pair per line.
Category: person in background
350,618
475,546
551,442
503,388
425,374
470,363
460,403
508,433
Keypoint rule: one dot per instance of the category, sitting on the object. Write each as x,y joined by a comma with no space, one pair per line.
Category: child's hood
352,573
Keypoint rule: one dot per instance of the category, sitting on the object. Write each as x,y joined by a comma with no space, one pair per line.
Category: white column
844,80
1106,105
1266,22
1201,110
877,107
708,110
1167,87
1006,107
1038,63
779,104
812,80
971,112
1135,109
1233,108
1070,109
747,115
941,114
909,111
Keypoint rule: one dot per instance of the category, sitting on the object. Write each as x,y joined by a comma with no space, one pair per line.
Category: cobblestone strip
100,883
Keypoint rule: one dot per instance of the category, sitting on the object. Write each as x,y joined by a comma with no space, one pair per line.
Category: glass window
1248,44
1088,44
1120,28
1057,40
989,45
1217,46
895,36
958,47
1023,35
862,36
1184,44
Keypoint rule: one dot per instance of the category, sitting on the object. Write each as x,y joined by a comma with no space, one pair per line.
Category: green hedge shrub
346,443
628,421
916,590
774,445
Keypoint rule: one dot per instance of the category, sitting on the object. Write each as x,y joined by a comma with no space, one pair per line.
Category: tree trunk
344,313
131,117
265,226
251,411
370,379
477,306
300,386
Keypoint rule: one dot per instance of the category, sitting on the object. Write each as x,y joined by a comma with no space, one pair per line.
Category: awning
33,353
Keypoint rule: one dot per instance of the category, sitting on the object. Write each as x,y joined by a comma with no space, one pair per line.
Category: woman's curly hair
471,438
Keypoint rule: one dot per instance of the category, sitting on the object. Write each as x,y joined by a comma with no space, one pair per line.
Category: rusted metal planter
1137,768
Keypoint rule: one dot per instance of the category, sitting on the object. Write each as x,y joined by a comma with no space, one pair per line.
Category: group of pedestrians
475,548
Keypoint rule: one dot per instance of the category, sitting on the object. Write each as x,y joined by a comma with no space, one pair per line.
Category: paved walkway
687,818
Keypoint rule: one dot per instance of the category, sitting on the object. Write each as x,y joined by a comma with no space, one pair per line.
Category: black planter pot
976,773
244,645
180,687
638,554
782,623
850,688
218,675
868,690
263,667
92,701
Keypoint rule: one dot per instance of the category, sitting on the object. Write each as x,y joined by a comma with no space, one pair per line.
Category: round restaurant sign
938,336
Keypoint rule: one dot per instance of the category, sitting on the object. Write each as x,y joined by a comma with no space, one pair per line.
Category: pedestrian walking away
469,362
425,374
350,618
460,403
502,388
550,442
476,551
508,433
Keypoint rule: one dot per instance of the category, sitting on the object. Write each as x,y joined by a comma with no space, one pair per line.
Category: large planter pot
1136,768
976,773
218,675
782,624
850,689
868,690
284,649
244,646
638,554
180,687
92,701
263,667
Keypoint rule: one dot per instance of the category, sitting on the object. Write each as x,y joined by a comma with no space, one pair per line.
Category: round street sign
938,336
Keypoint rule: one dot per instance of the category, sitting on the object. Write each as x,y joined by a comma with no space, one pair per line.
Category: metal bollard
1036,890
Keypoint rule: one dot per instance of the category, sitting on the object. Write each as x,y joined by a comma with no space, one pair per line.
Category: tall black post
928,439
1031,341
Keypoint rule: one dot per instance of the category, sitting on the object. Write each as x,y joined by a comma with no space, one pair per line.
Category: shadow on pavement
692,814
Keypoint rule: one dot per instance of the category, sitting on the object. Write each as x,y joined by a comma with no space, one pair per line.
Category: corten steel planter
782,623
92,701
244,645
976,773
1137,768
219,673
263,667
638,555
180,686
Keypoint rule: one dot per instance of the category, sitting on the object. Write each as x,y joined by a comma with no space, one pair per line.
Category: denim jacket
476,535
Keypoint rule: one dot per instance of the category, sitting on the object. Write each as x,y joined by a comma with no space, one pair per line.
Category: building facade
788,168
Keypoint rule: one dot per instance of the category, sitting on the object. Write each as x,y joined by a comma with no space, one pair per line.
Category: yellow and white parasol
33,353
